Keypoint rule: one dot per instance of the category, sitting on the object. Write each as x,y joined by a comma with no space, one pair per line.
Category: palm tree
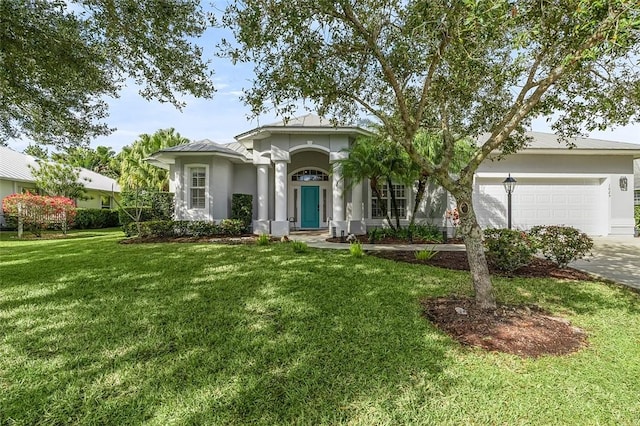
135,173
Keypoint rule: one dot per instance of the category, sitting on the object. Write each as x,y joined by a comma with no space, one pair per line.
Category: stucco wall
244,181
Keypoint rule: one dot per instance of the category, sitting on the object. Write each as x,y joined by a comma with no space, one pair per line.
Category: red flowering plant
39,212
453,217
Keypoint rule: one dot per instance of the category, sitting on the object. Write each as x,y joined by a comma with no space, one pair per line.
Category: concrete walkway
613,258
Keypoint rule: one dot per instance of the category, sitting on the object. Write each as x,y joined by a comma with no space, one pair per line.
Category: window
401,202
197,187
309,176
636,198
105,201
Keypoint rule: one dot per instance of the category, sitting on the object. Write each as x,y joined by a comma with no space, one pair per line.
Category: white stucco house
16,177
288,168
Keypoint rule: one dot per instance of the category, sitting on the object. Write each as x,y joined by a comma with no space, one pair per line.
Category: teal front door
310,207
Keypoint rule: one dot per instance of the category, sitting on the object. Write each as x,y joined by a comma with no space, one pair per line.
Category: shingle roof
15,166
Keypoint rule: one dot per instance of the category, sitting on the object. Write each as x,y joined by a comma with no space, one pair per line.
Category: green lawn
94,332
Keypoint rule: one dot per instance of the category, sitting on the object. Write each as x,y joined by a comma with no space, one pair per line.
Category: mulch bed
526,331
538,268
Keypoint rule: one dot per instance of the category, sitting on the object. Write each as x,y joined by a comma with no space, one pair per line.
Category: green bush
263,240
356,249
561,244
508,249
232,227
162,205
197,228
374,235
124,218
299,246
96,218
427,233
242,209
637,216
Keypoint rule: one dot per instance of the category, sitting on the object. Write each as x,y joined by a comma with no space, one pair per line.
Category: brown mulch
538,268
364,239
526,331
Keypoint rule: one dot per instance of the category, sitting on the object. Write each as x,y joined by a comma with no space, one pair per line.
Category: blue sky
224,116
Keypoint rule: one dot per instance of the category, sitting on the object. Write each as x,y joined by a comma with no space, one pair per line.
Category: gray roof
15,166
304,124
552,141
204,145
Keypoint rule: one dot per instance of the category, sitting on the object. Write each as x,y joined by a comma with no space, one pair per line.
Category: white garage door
581,203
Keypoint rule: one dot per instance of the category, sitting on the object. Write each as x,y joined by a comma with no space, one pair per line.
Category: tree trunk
394,203
472,234
422,186
383,206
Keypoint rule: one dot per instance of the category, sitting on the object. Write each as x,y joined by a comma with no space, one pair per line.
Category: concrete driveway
614,258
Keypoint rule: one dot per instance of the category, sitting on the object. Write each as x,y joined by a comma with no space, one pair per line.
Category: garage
581,202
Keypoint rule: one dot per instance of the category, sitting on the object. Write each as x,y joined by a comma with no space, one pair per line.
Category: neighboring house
16,177
287,167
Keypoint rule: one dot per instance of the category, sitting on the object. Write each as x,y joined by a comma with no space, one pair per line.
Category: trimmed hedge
242,209
96,218
146,214
184,228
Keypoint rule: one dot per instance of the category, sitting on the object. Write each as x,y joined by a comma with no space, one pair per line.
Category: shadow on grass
213,334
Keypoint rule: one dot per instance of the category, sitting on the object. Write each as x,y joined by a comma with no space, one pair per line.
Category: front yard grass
92,331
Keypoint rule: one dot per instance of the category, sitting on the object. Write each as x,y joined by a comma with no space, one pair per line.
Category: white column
263,192
337,183
356,225
281,191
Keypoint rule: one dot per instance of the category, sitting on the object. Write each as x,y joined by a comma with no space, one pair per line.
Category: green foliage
426,254
100,160
231,227
299,246
263,240
374,235
96,218
85,52
561,244
636,214
36,151
57,179
137,174
426,233
508,249
355,249
127,215
242,209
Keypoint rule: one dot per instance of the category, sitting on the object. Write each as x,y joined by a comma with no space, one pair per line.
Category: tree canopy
60,60
56,179
461,68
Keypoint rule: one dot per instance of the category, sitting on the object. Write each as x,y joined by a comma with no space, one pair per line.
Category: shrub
263,240
232,227
242,209
374,235
426,232
561,244
154,228
356,249
426,254
637,216
96,218
162,205
299,246
39,212
508,249
198,228
124,218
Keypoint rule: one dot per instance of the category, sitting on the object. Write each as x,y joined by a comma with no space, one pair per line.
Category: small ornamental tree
38,212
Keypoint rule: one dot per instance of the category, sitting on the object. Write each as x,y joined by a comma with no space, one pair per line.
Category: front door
310,207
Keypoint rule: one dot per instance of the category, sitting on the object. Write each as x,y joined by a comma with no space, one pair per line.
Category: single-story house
287,167
16,177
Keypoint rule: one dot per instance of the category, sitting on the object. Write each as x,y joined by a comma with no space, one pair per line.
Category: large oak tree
464,68
60,60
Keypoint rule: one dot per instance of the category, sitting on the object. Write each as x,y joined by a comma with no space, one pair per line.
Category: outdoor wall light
623,183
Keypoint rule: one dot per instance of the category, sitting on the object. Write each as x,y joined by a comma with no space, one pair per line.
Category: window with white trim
400,193
197,187
636,198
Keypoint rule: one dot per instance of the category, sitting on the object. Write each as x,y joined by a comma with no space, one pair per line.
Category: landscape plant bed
457,260
527,331
240,239
364,239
